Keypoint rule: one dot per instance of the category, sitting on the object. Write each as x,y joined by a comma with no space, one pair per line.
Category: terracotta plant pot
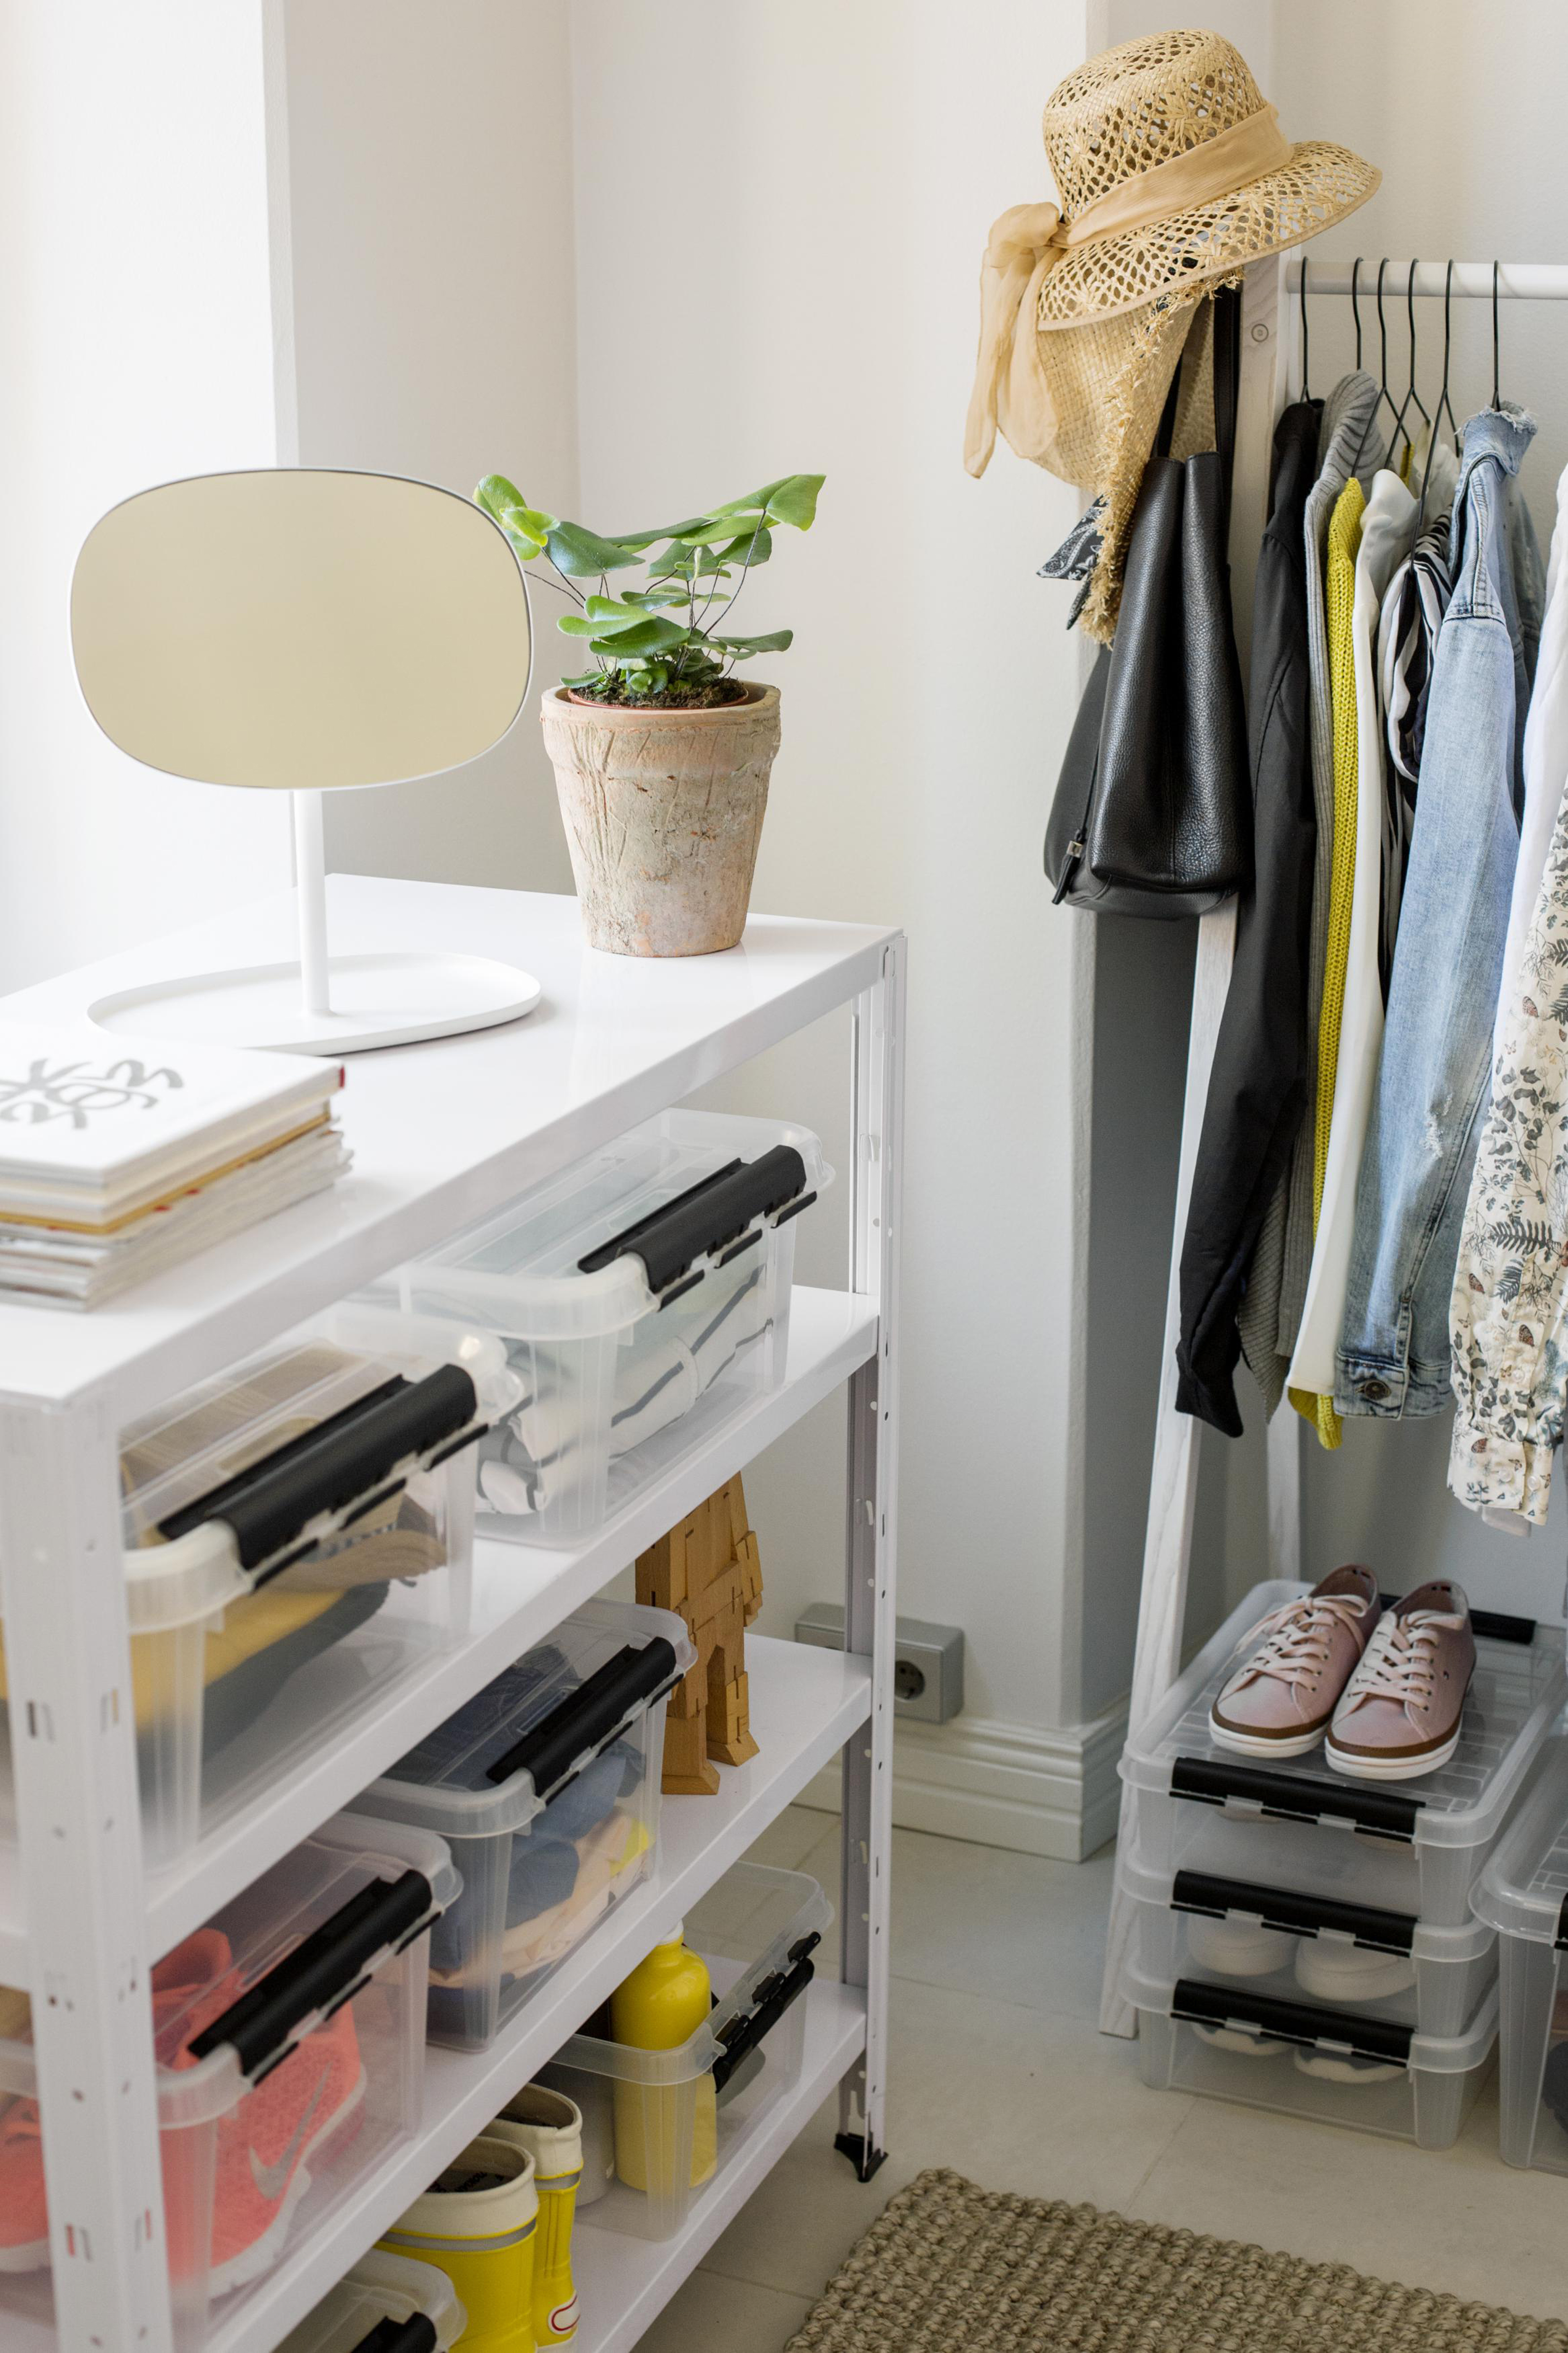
664,810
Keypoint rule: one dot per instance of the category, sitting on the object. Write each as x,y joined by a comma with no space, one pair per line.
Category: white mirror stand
324,1004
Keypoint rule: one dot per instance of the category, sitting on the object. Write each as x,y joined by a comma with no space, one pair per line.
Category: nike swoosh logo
271,2181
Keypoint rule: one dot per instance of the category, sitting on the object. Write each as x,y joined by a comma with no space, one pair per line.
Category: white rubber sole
1390,1768
1258,1744
28,2255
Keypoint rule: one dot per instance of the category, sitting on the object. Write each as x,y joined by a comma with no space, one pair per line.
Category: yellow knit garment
1339,596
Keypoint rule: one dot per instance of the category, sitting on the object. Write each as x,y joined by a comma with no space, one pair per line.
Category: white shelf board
624,2283
806,1703
441,1133
520,1592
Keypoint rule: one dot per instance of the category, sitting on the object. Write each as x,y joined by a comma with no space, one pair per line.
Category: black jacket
1258,1089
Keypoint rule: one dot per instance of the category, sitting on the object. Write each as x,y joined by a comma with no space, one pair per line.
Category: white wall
134,285
811,304
430,195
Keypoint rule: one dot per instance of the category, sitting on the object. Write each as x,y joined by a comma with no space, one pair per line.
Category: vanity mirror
305,632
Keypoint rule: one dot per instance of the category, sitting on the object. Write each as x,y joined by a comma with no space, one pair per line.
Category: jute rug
953,2269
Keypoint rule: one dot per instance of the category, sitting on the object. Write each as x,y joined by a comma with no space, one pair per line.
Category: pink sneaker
23,2215
188,1989
1280,1700
1401,1713
265,2143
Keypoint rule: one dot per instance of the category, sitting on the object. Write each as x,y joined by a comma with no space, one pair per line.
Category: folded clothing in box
546,1787
643,1296
266,1517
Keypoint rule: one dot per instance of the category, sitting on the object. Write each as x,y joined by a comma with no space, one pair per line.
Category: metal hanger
1355,304
1305,394
1497,387
1382,392
1411,394
1443,400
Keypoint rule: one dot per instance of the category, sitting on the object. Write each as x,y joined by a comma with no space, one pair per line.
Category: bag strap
1226,389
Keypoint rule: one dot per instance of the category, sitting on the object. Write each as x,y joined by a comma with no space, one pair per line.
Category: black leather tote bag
1152,815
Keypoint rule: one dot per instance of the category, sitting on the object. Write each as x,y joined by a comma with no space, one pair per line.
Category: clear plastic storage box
1292,1947
643,1296
297,1532
289,2036
1413,1847
546,1787
675,2119
1524,1894
387,2304
1230,2042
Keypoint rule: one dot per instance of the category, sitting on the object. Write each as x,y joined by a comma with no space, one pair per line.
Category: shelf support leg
870,1549
73,1756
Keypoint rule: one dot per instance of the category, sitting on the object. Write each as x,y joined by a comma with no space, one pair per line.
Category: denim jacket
1393,1354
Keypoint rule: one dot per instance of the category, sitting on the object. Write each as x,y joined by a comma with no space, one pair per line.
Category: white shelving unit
441,1133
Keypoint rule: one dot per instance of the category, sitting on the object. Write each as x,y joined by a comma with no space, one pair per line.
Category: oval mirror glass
299,628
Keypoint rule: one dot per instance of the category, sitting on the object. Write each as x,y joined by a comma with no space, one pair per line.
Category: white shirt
1545,758
1388,528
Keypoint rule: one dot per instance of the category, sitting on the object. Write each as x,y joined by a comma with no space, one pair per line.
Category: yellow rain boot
660,2006
550,2127
477,2223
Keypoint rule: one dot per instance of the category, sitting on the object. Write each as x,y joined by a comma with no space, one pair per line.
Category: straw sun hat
1173,174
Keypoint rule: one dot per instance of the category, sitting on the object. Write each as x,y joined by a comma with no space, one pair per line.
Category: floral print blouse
1511,1285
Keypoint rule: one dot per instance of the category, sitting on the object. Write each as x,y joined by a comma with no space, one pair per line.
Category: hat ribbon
1010,391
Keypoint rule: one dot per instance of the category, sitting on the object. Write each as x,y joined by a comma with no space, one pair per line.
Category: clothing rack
1270,368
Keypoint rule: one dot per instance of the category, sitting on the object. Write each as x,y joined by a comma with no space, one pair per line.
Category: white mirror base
376,1000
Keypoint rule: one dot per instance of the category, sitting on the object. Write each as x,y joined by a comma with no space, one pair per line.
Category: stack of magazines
119,1157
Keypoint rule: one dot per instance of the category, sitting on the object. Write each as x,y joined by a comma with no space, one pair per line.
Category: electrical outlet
928,1660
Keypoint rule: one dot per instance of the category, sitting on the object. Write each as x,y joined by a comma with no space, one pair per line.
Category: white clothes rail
1517,281
1270,370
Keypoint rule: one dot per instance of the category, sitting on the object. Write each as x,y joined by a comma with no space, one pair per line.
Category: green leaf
495,492
675,562
605,613
530,522
754,549
665,531
794,501
582,553
572,625
653,636
773,642
757,503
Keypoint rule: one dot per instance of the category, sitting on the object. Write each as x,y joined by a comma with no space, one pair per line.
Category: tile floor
999,2071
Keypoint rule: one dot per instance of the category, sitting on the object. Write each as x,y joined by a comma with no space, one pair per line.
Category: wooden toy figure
708,1569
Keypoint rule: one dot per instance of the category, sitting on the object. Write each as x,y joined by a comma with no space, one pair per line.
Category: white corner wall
469,293
434,329
815,306
134,282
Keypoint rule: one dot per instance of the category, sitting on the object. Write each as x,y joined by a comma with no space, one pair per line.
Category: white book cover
104,1118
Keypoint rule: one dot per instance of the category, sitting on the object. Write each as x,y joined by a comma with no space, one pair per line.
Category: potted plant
661,753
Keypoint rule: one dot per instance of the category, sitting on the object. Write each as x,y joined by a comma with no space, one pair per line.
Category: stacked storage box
289,2034
546,1789
298,1534
657,2125
1304,1941
1524,1894
643,1297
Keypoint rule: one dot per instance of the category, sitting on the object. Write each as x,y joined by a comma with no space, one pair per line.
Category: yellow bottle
477,2223
660,2006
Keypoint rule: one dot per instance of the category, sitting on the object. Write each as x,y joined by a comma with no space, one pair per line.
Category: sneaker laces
1401,1661
1295,1648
